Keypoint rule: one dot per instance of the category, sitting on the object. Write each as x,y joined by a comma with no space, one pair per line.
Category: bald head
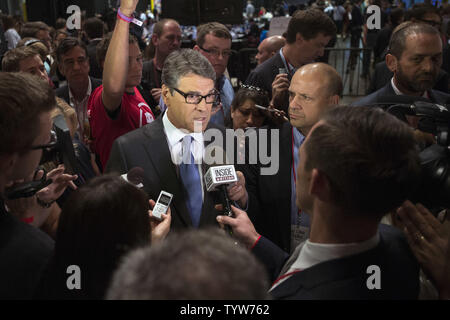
314,89
324,74
268,47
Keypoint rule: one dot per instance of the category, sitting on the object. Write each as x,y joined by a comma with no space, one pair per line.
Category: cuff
256,242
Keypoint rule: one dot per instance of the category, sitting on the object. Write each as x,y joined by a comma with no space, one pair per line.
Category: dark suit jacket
95,70
379,96
270,195
383,75
63,92
265,73
346,278
147,148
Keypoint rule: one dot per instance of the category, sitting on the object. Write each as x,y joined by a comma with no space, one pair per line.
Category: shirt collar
399,93
88,92
174,135
315,253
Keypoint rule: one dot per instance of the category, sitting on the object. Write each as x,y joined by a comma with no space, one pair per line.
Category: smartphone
162,204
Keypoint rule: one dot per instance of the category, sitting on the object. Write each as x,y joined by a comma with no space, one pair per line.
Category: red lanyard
293,167
288,66
285,276
293,159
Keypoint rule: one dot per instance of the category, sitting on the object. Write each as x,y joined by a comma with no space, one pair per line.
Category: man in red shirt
117,107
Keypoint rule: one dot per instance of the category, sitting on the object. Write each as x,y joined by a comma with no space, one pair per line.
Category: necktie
191,181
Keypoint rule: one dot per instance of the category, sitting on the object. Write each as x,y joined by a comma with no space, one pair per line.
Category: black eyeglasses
217,53
195,98
53,142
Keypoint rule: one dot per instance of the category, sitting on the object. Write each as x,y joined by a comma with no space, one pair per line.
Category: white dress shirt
399,93
174,138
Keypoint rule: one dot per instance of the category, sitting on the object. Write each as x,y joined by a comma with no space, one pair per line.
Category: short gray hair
183,62
216,268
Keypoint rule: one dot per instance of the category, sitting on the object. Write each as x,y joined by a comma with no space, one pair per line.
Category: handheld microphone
135,177
217,178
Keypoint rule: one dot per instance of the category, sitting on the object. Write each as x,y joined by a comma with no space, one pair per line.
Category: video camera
434,188
60,151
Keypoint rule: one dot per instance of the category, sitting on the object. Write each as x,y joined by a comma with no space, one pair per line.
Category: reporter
25,125
100,222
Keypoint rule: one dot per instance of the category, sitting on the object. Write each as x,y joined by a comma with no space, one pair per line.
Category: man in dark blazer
73,62
159,148
415,59
382,76
308,33
346,189
315,88
63,92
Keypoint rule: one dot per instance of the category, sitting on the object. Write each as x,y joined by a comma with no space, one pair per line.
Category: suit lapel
164,168
330,271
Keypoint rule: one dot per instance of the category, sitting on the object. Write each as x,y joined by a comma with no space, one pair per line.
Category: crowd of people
340,202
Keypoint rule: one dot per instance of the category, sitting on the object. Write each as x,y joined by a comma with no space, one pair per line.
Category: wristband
131,19
123,17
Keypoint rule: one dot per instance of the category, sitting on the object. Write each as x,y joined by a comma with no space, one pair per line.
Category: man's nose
428,65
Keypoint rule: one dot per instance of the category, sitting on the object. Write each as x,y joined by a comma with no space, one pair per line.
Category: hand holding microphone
237,192
243,229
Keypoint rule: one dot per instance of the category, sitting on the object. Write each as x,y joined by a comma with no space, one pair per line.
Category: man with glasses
117,107
171,149
214,42
73,63
25,124
307,35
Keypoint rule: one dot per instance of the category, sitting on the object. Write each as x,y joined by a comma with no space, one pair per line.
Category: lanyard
293,166
285,276
286,63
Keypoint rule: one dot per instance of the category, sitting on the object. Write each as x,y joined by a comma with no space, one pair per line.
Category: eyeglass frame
184,94
53,142
220,53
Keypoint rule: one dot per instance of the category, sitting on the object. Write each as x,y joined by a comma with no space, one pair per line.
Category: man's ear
61,68
165,93
334,100
155,39
7,163
320,185
391,62
298,38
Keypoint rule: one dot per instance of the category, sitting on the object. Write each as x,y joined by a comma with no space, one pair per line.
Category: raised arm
115,70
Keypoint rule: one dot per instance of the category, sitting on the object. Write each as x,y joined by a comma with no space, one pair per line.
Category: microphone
217,178
135,177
